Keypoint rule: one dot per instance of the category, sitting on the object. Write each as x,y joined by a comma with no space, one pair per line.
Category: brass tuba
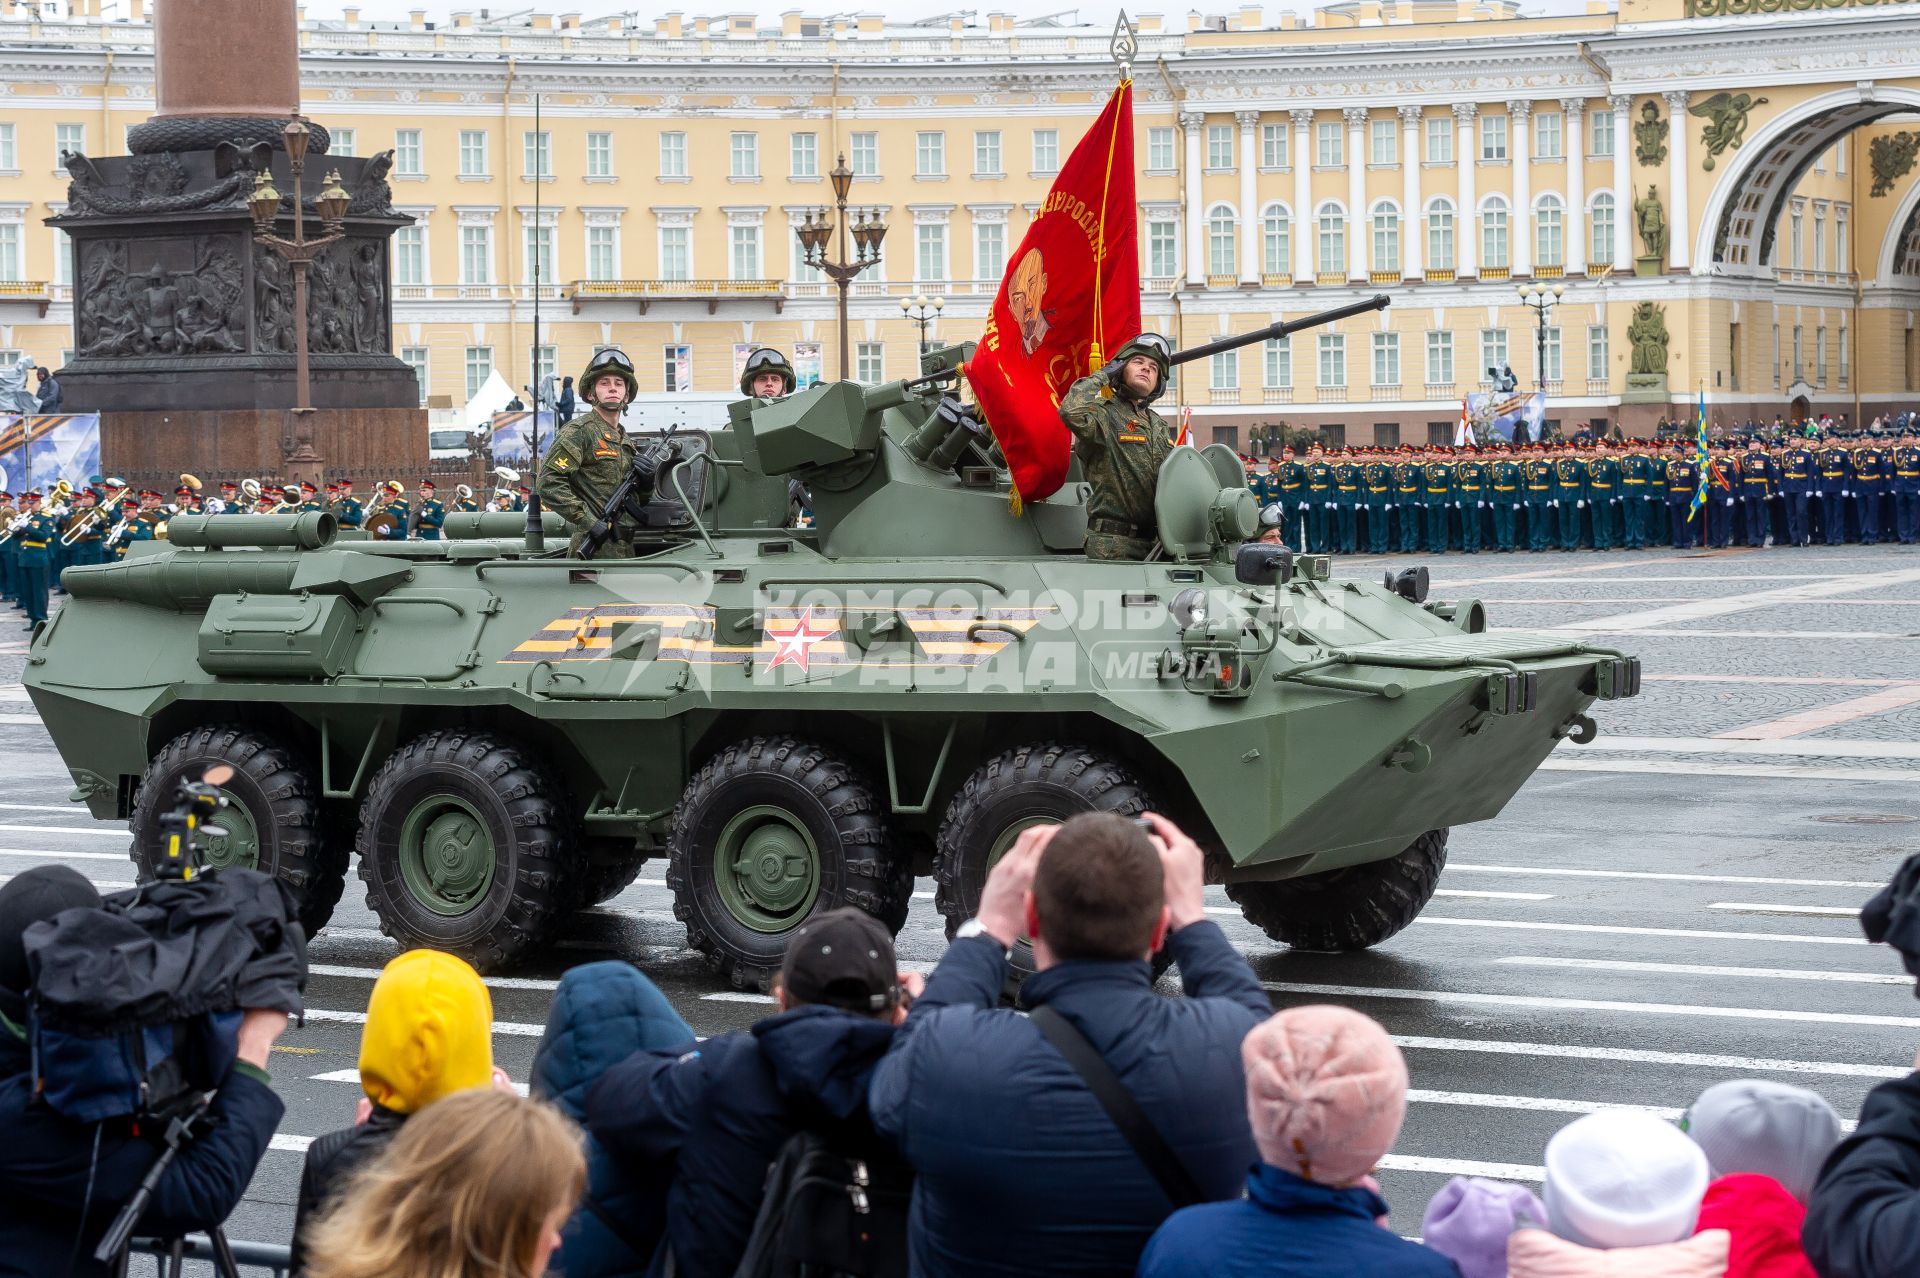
250,489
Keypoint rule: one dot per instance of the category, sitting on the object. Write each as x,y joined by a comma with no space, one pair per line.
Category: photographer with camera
1863,1220
62,1181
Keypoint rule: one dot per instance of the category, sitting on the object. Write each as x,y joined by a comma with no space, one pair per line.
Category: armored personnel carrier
797,718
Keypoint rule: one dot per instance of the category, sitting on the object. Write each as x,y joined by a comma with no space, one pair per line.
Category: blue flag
1700,459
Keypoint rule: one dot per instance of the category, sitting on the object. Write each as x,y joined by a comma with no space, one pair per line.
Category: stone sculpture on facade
1726,114
1650,135
1650,220
1891,158
1647,334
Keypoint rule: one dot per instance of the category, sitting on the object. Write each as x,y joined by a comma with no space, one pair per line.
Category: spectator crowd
881,1124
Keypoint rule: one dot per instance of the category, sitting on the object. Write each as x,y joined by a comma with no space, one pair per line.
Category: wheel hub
446,855
767,868
240,845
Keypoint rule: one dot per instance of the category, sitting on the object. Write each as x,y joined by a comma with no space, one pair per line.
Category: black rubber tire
843,815
1349,909
281,797
598,882
1048,780
532,836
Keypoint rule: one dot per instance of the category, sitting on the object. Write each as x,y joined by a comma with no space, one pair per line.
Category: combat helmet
610,359
765,359
1156,348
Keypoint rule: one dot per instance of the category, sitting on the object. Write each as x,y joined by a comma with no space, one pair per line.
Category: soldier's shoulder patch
559,463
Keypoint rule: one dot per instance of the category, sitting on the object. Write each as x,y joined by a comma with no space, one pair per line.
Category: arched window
1600,219
1222,234
1333,239
1440,235
1276,241
1493,233
1549,239
1386,236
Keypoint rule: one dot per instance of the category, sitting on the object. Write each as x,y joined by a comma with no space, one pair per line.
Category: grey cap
1751,1125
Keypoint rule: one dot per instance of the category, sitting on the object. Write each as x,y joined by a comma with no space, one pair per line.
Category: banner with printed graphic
1510,417
39,451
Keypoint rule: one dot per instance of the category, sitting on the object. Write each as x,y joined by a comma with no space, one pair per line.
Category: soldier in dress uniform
9,549
1636,489
36,535
132,527
1121,442
1437,499
1836,485
86,518
430,515
1904,479
1376,483
1409,492
463,500
1723,486
346,507
1543,499
1683,480
1799,475
1470,497
227,501
1319,499
1346,501
1759,480
1869,482
1570,480
1603,497
1293,496
1504,482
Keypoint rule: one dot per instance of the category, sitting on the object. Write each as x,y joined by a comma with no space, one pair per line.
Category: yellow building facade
1732,192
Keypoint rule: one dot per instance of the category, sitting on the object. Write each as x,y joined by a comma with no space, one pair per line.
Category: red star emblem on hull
793,640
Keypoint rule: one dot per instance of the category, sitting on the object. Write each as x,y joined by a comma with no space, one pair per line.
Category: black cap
30,897
843,958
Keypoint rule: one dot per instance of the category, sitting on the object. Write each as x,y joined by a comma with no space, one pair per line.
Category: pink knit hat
1326,1092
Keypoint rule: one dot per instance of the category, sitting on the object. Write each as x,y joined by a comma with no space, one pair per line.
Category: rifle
635,488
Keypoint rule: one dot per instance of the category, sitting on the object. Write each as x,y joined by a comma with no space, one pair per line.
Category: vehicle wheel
770,832
1029,785
462,848
604,880
1347,909
272,818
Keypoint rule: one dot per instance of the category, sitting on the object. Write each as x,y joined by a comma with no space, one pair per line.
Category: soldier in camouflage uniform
1121,442
590,455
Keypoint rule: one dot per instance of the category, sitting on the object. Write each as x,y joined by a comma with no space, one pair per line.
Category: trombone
95,513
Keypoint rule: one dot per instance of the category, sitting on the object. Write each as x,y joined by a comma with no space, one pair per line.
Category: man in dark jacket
602,1014
62,1182
49,391
1864,1218
1019,1170
718,1111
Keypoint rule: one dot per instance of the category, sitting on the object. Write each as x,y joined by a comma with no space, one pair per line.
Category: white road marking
1647,1056
105,885
1619,929
736,996
1462,1167
1471,997
1475,1100
291,1144
492,982
1748,601
21,719
111,832
52,855
1808,681
1658,875
71,809
1760,907
353,1076
1706,969
1732,746
1495,896
512,1029
1756,771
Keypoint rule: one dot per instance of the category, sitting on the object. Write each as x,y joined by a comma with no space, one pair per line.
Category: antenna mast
535,531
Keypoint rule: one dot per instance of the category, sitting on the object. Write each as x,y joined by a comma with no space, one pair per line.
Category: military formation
1600,495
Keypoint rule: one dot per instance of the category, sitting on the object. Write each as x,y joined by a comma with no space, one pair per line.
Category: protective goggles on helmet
766,359
612,355
1155,343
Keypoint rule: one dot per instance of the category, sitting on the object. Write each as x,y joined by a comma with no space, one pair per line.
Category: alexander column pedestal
184,326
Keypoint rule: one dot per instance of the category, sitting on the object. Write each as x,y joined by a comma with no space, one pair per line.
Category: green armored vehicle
799,717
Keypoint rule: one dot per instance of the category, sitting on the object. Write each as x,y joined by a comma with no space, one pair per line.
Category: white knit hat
1623,1179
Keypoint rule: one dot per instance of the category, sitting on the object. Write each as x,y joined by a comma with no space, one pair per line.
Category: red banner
1071,297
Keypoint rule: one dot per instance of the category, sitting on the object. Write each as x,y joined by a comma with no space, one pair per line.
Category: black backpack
832,1208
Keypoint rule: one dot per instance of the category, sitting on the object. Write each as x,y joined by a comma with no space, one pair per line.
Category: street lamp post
922,309
302,462
1540,299
867,234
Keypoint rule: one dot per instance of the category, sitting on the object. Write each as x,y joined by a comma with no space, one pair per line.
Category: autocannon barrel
183,582
309,530
1378,302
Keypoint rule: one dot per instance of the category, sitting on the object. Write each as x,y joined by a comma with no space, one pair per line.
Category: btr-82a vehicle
799,717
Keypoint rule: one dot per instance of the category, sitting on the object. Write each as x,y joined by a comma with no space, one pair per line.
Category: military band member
390,498
10,548
463,500
87,527
36,534
346,507
132,527
226,501
430,515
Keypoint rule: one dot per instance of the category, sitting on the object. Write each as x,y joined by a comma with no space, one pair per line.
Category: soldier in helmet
767,374
591,454
1121,442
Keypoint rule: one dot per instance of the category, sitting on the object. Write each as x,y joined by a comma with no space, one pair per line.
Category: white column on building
1411,238
1357,225
1574,134
1520,225
1679,228
1251,249
1191,122
1304,230
1466,222
1621,105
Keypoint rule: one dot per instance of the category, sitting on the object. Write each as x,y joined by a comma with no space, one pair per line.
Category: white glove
1479,505
1580,505
1552,504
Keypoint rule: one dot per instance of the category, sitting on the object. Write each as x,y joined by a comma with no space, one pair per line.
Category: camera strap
1175,1181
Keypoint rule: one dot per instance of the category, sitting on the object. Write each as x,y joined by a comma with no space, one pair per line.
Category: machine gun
632,493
